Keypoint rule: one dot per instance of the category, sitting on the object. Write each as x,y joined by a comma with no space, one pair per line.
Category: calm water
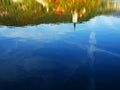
55,57
60,56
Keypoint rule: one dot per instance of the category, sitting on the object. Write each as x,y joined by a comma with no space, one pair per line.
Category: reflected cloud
108,21
92,23
91,50
92,39
43,33
112,23
52,32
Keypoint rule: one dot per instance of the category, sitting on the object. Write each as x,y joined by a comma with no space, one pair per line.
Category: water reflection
54,57
71,62
53,11
92,41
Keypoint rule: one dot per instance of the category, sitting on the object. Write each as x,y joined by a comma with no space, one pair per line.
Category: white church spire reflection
75,18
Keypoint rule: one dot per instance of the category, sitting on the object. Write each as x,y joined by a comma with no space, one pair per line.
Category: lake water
50,57
61,57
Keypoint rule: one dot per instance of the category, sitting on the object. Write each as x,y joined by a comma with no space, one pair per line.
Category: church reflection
76,16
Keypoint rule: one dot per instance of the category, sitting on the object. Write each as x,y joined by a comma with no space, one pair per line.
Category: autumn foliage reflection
24,12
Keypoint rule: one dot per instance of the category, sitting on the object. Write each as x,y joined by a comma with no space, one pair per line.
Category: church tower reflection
75,18
77,15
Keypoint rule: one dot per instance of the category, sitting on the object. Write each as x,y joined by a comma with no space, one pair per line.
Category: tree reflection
25,12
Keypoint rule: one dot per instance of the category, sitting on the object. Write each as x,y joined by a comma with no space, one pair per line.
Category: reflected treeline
33,12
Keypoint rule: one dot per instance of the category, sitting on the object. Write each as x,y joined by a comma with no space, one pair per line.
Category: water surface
61,56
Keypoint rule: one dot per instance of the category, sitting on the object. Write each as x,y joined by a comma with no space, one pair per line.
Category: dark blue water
55,57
